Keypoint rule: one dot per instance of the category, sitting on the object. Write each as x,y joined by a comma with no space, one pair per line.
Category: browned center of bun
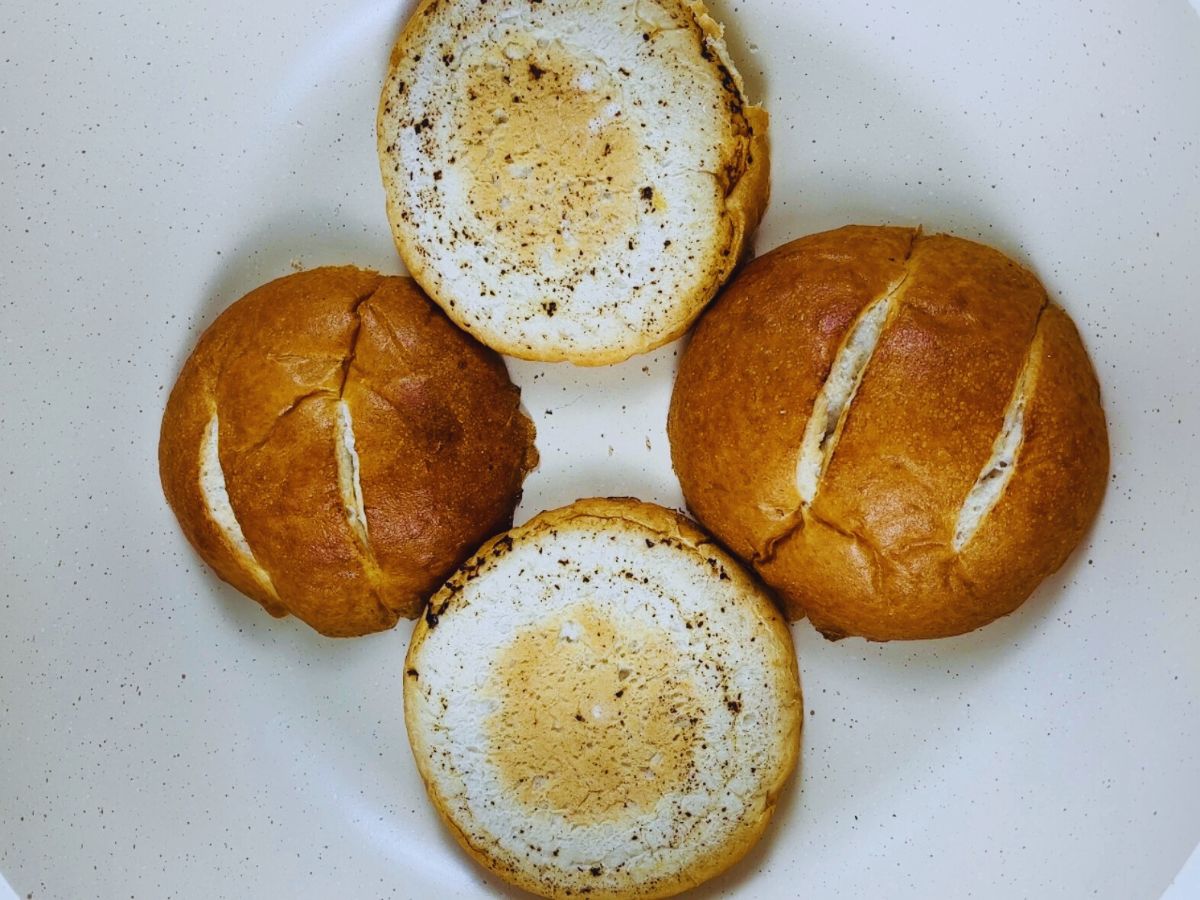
593,720
550,168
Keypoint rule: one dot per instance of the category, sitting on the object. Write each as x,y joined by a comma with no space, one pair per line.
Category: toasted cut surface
895,535
569,180
334,447
603,703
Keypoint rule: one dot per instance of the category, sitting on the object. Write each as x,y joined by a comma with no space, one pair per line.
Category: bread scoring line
214,491
215,495
984,493
821,437
827,440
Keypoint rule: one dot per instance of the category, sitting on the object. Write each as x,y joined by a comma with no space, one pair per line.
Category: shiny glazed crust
873,554
440,442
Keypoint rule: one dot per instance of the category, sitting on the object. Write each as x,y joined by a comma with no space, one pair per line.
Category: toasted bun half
334,447
603,703
569,179
910,440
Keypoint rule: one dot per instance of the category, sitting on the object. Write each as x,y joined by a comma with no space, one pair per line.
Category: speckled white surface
161,737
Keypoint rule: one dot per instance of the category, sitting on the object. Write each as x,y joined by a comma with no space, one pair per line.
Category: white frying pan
161,737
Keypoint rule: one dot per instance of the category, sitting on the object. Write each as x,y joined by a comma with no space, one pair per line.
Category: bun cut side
603,703
334,447
913,439
569,180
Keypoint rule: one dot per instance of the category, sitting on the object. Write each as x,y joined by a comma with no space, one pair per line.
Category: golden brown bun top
874,553
314,379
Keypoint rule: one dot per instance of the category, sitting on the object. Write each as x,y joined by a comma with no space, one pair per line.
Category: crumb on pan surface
603,702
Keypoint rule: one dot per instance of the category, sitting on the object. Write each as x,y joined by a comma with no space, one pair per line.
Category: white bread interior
569,181
602,700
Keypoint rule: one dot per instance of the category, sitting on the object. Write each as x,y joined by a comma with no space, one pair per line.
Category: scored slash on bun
334,447
603,703
910,441
569,181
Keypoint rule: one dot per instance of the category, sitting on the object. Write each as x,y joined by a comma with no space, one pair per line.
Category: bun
569,181
334,447
603,703
910,441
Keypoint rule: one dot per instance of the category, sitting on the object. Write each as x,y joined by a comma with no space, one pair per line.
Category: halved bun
603,703
569,180
910,440
334,447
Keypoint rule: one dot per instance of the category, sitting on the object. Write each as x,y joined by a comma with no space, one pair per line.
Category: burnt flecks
718,569
647,193
413,673
730,84
536,72
550,308
418,127
471,568
727,80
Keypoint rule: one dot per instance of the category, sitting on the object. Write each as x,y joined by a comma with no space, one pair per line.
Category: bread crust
664,524
741,171
442,444
873,554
